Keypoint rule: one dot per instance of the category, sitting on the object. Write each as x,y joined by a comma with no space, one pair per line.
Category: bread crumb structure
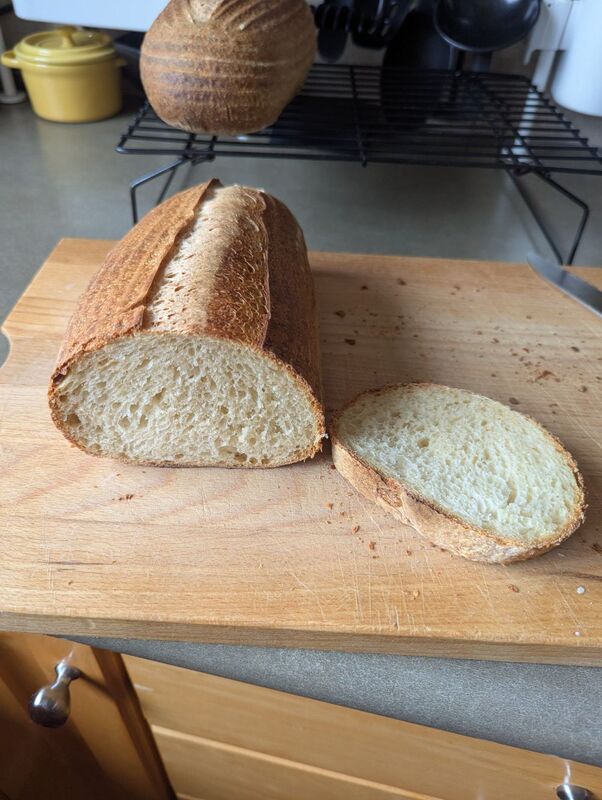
472,475
196,344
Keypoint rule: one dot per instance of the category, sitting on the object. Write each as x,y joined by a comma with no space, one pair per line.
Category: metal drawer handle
568,791
51,704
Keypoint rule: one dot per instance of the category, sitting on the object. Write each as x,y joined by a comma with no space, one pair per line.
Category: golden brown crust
257,291
226,66
240,300
114,302
437,524
292,334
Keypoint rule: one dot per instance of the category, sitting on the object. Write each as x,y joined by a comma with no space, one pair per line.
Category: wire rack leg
150,176
540,221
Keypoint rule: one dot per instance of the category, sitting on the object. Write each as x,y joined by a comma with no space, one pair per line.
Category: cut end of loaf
467,472
172,400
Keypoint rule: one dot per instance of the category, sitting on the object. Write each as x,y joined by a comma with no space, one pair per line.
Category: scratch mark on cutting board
484,592
368,513
356,590
571,415
310,591
567,605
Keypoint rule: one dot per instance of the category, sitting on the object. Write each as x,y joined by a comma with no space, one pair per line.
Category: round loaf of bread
226,66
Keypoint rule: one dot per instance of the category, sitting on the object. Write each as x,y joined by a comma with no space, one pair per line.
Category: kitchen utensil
416,46
379,21
483,25
283,557
575,287
70,75
333,19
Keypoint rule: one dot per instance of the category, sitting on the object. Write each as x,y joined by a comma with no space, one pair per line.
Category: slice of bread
196,342
470,474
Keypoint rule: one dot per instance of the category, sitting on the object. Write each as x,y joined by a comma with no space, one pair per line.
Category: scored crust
280,324
440,526
226,66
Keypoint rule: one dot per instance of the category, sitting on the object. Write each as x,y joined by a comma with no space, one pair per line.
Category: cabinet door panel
368,750
211,770
98,754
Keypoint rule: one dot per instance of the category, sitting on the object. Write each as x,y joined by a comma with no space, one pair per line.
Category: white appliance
568,34
8,90
127,15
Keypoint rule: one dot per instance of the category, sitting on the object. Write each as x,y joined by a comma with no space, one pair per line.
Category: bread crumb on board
126,497
513,587
372,545
355,529
350,341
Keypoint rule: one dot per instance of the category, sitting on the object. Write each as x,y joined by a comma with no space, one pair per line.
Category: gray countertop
65,180
549,709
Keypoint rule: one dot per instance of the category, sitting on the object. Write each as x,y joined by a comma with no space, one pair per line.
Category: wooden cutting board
294,556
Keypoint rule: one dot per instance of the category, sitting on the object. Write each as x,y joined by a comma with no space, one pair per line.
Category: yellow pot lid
64,47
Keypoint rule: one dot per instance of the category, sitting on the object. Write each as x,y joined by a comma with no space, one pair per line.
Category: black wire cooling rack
397,116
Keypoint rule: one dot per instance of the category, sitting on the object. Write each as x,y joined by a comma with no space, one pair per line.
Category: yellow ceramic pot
70,75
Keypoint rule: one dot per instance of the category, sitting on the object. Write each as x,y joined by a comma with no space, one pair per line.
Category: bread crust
226,66
435,523
280,324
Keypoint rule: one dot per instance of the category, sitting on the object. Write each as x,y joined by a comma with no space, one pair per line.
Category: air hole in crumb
73,419
424,442
240,457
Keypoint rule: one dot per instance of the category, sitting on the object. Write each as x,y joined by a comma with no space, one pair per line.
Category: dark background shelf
348,113
397,116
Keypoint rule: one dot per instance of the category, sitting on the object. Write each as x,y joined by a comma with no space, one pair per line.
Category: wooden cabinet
147,731
105,751
225,740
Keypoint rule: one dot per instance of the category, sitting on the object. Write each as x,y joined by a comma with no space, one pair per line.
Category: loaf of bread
226,66
470,474
196,344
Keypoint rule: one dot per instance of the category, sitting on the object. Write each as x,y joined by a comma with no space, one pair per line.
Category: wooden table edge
291,638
